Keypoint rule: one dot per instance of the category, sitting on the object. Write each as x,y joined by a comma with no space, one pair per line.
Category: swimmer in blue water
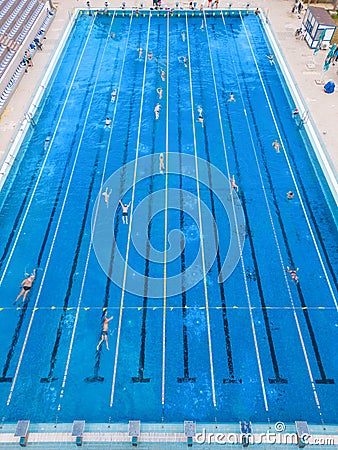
104,334
106,196
26,286
46,144
125,208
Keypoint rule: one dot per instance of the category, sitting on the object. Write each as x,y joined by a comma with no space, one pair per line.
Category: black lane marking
231,378
186,378
301,183
59,332
23,311
15,339
140,378
50,377
28,190
277,377
96,377
324,379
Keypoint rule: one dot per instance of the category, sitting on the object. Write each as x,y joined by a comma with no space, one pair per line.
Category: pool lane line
96,377
17,331
277,377
290,168
304,193
165,237
59,332
130,226
186,378
24,201
247,291
231,378
47,154
78,309
312,381
142,356
57,225
324,379
201,226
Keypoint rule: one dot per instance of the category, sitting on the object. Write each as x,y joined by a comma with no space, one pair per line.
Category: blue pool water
257,345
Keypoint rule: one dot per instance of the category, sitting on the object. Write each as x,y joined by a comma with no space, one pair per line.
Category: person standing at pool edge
26,285
104,335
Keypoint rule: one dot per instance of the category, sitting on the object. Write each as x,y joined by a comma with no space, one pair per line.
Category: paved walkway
305,67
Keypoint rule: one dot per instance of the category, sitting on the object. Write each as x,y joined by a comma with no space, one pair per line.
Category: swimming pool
256,346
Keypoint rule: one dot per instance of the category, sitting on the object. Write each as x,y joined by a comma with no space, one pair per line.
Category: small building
319,27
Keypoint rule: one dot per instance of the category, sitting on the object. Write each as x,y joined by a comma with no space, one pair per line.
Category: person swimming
46,144
293,273
125,208
161,163
26,286
157,111
276,145
113,95
106,196
200,115
233,183
159,90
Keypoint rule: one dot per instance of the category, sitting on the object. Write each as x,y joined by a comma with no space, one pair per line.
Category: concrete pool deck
306,68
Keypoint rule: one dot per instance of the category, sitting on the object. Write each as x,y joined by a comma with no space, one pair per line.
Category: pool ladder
304,118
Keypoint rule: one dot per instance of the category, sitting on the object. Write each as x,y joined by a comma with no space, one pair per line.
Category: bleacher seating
16,19
30,22
11,42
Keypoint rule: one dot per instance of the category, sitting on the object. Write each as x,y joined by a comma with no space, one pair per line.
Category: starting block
134,430
189,431
22,432
302,430
246,431
77,431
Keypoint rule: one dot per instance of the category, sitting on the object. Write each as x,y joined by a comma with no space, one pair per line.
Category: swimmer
113,35
113,95
270,58
104,334
200,115
46,144
295,112
293,273
183,36
290,195
231,98
157,111
26,286
160,92
276,145
202,26
125,208
233,183
108,122
106,196
140,53
161,163
150,55
162,75
184,60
